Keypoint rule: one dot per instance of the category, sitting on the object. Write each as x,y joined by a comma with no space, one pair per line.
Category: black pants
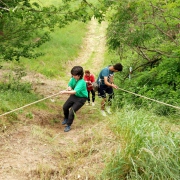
103,89
70,107
93,95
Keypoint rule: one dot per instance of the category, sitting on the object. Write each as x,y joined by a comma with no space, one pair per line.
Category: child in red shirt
90,78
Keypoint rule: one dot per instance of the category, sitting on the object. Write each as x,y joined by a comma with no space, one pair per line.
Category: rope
177,107
30,104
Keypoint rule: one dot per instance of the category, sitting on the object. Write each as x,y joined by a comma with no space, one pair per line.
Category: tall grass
148,151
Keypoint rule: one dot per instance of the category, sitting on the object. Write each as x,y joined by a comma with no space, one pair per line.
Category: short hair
77,70
118,67
87,71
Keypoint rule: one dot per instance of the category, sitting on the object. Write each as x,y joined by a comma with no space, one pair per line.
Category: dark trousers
70,107
103,89
93,95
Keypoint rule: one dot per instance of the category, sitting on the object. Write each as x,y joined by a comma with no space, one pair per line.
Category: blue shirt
104,73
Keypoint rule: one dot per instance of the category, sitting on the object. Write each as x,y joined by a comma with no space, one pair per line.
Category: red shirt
89,80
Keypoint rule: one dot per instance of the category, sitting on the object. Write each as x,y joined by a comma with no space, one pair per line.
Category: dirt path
90,57
39,149
93,48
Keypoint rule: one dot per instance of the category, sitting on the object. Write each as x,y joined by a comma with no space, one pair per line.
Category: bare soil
38,148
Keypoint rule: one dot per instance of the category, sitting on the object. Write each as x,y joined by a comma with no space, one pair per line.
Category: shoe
67,128
108,110
93,104
64,122
87,104
103,113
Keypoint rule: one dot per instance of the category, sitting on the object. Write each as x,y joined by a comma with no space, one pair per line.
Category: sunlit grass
44,134
64,46
148,150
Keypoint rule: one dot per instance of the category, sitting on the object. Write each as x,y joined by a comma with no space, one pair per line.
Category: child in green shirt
78,96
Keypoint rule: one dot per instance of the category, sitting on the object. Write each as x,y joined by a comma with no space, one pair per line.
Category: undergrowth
149,150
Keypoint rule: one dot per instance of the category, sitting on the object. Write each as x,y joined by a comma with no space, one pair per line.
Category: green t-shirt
78,86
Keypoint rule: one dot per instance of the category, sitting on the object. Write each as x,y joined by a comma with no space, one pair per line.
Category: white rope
177,107
30,104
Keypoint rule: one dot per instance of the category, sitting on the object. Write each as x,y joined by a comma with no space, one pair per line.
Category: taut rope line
30,104
177,107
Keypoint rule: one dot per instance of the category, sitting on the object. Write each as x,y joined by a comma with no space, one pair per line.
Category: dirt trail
93,48
91,57
39,149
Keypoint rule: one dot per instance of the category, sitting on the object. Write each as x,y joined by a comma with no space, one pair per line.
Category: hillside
38,148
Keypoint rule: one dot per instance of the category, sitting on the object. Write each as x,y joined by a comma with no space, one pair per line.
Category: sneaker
108,110
64,122
93,104
87,104
67,128
103,113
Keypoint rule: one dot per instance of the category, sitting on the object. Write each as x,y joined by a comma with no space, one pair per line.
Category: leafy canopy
146,35
25,24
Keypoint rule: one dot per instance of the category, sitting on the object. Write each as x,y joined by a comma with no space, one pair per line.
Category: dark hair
87,71
118,67
77,70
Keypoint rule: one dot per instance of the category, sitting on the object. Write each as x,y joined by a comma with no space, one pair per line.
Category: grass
148,151
130,144
64,46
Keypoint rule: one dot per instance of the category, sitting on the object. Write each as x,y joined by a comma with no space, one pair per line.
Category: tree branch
143,65
4,8
157,51
143,54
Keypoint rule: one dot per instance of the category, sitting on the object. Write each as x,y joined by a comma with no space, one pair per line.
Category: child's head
77,71
87,72
118,67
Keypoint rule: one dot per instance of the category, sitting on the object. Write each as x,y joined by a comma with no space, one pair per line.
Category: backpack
95,86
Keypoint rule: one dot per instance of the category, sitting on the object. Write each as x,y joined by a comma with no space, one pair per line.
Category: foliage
146,36
12,80
24,26
147,149
64,46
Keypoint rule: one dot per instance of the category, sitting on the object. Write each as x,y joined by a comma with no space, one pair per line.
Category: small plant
30,115
12,80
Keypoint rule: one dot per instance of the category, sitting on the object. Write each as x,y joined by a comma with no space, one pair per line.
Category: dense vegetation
144,35
25,24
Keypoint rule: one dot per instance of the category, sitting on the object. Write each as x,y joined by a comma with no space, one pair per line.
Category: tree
24,26
147,35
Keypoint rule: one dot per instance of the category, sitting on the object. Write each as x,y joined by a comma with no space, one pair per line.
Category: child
89,78
78,96
106,84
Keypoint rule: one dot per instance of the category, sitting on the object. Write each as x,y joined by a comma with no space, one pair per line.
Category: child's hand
69,88
62,92
114,86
